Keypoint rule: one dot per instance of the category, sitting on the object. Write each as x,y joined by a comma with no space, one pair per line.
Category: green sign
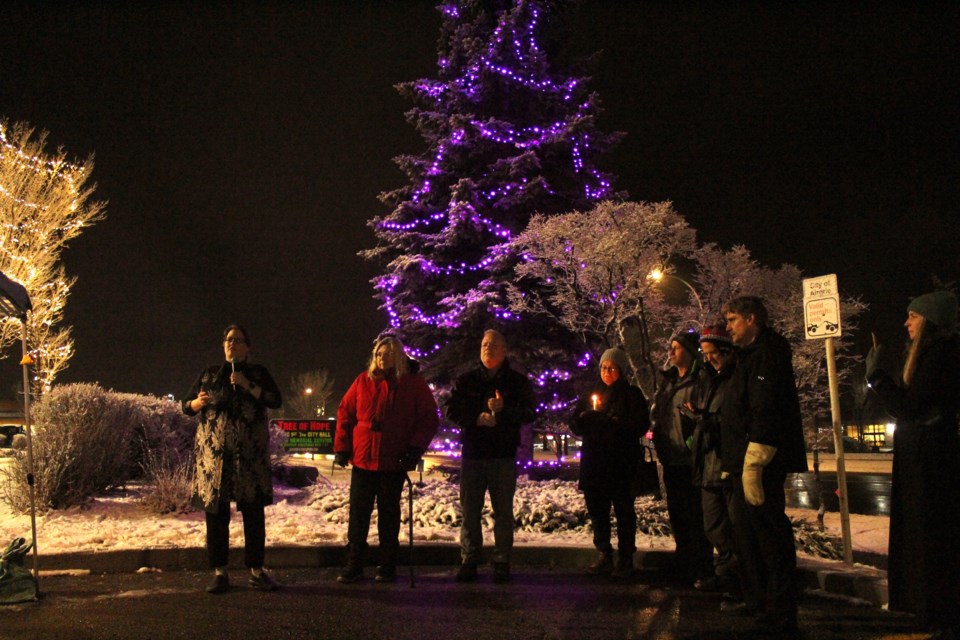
307,436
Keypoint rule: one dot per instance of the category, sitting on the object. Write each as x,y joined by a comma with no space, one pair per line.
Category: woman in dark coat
385,422
924,557
611,418
233,455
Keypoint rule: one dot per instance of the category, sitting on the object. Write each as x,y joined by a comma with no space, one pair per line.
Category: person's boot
603,566
501,573
624,568
387,569
467,572
354,569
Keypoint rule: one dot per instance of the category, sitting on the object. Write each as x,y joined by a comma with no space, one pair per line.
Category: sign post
821,320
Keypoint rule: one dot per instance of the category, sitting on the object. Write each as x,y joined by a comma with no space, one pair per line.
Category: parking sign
821,307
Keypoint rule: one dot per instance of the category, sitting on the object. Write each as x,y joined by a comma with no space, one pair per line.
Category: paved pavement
541,603
101,595
860,581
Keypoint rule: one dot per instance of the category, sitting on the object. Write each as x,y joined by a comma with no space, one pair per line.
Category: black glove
873,360
409,460
341,458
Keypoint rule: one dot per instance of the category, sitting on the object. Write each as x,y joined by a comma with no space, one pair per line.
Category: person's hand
486,420
758,456
873,359
203,399
495,403
687,410
410,458
341,458
237,379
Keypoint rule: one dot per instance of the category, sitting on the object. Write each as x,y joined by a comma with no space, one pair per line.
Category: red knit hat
717,334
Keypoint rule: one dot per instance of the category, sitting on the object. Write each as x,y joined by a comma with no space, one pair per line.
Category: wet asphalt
539,603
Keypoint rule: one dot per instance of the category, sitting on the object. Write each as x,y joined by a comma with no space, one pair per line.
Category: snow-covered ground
549,513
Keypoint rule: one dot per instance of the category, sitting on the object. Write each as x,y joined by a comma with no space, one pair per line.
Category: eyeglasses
609,369
234,341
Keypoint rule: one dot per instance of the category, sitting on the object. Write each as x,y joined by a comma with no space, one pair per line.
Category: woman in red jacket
385,422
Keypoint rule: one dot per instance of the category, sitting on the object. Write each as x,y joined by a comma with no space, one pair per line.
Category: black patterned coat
232,445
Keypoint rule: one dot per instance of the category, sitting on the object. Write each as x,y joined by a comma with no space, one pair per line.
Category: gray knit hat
617,357
689,340
939,307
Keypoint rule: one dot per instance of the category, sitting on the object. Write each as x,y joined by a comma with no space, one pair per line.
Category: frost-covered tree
588,271
508,134
593,271
308,394
44,203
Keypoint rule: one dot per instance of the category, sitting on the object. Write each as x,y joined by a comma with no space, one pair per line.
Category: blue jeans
499,476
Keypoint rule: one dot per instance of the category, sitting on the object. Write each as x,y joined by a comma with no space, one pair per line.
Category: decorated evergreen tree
508,135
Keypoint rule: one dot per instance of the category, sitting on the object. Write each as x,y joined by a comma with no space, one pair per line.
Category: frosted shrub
166,454
168,475
88,440
161,430
82,444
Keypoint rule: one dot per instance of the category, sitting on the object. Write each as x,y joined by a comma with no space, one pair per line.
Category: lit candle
596,401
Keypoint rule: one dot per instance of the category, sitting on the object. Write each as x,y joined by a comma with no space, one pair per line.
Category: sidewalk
861,581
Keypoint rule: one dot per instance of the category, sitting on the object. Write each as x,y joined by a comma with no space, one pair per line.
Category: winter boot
354,569
603,566
387,569
624,568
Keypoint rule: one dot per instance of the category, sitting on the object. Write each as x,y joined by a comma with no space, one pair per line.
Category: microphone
233,369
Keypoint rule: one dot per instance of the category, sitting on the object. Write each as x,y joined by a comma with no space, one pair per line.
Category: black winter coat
924,558
611,436
673,426
762,406
707,463
233,431
469,399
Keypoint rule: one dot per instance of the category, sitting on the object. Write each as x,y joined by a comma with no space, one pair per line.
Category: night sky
242,146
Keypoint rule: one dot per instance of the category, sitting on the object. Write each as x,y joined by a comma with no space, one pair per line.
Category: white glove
758,456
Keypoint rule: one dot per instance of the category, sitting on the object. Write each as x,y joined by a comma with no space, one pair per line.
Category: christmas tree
507,136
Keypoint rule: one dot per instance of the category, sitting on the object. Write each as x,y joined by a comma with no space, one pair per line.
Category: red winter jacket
379,420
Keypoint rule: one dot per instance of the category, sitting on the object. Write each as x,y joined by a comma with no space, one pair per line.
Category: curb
860,581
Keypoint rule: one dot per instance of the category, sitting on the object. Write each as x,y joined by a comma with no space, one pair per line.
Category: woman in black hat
924,558
611,418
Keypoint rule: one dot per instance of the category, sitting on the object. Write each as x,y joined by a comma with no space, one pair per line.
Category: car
7,432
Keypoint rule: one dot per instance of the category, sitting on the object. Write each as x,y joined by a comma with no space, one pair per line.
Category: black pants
598,506
717,525
694,555
765,546
218,535
385,488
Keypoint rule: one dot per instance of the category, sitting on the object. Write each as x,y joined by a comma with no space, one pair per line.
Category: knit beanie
717,334
617,357
689,340
939,307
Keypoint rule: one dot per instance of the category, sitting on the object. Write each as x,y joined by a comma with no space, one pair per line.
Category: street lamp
310,406
657,275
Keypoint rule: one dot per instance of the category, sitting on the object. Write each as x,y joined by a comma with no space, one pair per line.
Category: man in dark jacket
673,437
762,441
490,404
715,490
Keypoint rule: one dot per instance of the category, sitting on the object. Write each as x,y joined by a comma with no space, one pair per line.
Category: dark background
241,148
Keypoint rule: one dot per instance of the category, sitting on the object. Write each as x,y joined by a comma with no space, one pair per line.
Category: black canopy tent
14,302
